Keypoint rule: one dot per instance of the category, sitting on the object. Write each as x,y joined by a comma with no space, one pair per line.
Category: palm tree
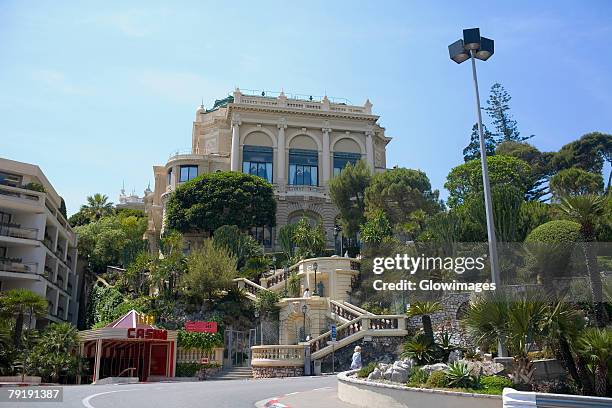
587,210
97,206
425,310
596,345
19,302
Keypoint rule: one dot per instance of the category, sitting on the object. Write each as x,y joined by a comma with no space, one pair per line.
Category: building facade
296,144
38,248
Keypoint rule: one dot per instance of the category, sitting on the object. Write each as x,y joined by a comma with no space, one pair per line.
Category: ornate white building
296,144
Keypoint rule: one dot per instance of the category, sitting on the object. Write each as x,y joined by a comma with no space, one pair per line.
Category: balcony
17,265
304,189
17,231
17,193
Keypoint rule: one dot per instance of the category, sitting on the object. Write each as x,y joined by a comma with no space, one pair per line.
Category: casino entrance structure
128,347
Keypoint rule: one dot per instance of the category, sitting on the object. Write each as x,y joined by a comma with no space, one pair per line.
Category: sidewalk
326,397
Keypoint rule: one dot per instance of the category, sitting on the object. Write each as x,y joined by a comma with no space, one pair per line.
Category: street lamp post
474,46
316,290
304,310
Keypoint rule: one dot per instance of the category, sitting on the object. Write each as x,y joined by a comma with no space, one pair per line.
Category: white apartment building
38,248
297,143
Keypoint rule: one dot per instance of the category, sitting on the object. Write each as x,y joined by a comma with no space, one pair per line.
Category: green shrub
365,371
418,377
437,379
196,340
459,376
192,369
35,187
495,381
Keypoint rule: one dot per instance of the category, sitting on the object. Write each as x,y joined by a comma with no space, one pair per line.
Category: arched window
257,160
303,167
342,159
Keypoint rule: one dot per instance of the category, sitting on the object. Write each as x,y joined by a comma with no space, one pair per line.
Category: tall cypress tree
498,108
472,151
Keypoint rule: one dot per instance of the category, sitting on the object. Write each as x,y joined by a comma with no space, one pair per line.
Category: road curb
270,403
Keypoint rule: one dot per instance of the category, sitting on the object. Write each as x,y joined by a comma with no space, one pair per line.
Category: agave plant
596,345
460,376
421,349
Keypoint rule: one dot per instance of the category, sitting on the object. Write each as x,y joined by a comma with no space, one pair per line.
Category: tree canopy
575,181
466,179
347,191
400,192
472,150
212,200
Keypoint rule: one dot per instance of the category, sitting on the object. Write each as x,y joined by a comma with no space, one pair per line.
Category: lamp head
315,266
304,309
486,49
471,38
457,52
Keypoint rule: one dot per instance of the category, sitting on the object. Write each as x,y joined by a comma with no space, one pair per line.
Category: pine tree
472,151
498,108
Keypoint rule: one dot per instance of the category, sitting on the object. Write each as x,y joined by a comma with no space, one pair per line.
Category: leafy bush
495,381
203,341
421,349
437,379
459,376
35,187
192,369
293,285
365,371
418,377
266,301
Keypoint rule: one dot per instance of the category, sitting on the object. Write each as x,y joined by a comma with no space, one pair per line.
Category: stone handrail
277,355
249,286
356,308
342,311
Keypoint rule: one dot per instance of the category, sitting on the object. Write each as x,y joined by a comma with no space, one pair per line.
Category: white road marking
86,400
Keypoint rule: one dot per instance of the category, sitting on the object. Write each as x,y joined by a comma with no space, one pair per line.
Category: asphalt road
229,393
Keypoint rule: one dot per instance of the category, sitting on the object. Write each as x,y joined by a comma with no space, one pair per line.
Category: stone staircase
234,373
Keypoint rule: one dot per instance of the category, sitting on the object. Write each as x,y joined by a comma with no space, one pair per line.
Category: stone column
326,155
235,154
370,147
281,176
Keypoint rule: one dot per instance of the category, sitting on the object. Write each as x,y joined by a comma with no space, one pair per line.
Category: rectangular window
170,177
342,159
188,173
303,167
257,160
9,179
263,235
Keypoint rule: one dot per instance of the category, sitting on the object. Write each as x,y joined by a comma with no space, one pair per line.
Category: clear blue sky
98,93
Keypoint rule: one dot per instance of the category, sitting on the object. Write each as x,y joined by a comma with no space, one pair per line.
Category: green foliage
595,345
192,369
266,301
421,349
437,379
102,306
111,240
493,384
212,200
210,269
54,355
466,179
418,377
285,239
242,246
310,241
62,208
347,191
293,285
498,109
556,232
587,153
16,304
531,215
35,187
459,375
97,207
197,340
575,181
376,229
398,193
472,150
367,370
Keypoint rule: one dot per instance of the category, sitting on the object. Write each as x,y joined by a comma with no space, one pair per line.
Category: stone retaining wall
277,372
379,349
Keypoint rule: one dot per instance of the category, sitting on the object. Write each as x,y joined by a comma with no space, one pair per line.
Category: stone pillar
326,155
98,356
235,154
281,176
370,147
